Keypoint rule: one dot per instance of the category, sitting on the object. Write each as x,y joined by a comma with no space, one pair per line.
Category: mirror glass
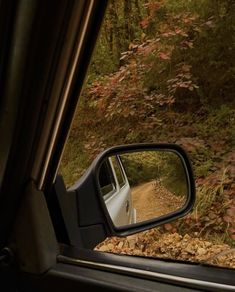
143,185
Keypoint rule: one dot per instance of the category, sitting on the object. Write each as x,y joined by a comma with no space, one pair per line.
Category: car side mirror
131,188
144,186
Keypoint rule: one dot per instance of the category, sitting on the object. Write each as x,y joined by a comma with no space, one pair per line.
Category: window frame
113,183
121,169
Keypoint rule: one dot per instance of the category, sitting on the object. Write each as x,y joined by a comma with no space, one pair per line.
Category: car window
166,76
118,171
106,179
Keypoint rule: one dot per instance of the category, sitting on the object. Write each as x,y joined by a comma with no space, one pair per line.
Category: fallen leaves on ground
174,246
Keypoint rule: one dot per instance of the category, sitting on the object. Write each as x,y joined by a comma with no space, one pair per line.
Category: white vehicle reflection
116,191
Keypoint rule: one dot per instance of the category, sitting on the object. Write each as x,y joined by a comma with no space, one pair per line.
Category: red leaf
228,219
233,236
145,22
178,30
168,226
164,56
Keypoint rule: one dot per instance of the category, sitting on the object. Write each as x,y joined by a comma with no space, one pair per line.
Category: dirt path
153,200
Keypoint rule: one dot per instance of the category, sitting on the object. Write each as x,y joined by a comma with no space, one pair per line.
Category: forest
164,71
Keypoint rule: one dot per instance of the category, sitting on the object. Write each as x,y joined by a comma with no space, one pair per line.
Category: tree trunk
128,30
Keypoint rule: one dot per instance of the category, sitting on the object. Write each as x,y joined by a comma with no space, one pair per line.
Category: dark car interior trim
46,29
67,277
170,279
180,273
92,17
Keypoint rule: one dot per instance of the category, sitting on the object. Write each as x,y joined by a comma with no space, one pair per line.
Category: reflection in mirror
144,185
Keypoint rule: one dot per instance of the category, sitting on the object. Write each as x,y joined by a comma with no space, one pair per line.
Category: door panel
66,277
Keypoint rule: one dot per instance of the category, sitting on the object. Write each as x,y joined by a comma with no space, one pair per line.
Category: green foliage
208,217
203,160
218,121
184,50
75,162
214,47
141,167
117,33
173,174
203,168
163,166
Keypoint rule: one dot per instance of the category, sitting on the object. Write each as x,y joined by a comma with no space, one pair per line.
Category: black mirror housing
93,217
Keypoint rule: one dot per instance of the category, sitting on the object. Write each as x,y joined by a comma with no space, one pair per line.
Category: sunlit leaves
164,56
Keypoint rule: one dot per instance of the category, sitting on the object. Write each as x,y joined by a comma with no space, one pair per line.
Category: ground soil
152,200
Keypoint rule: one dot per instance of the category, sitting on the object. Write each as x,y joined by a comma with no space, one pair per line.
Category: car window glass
118,171
106,179
166,76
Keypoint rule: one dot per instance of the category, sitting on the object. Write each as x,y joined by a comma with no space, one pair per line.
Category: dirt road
152,200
